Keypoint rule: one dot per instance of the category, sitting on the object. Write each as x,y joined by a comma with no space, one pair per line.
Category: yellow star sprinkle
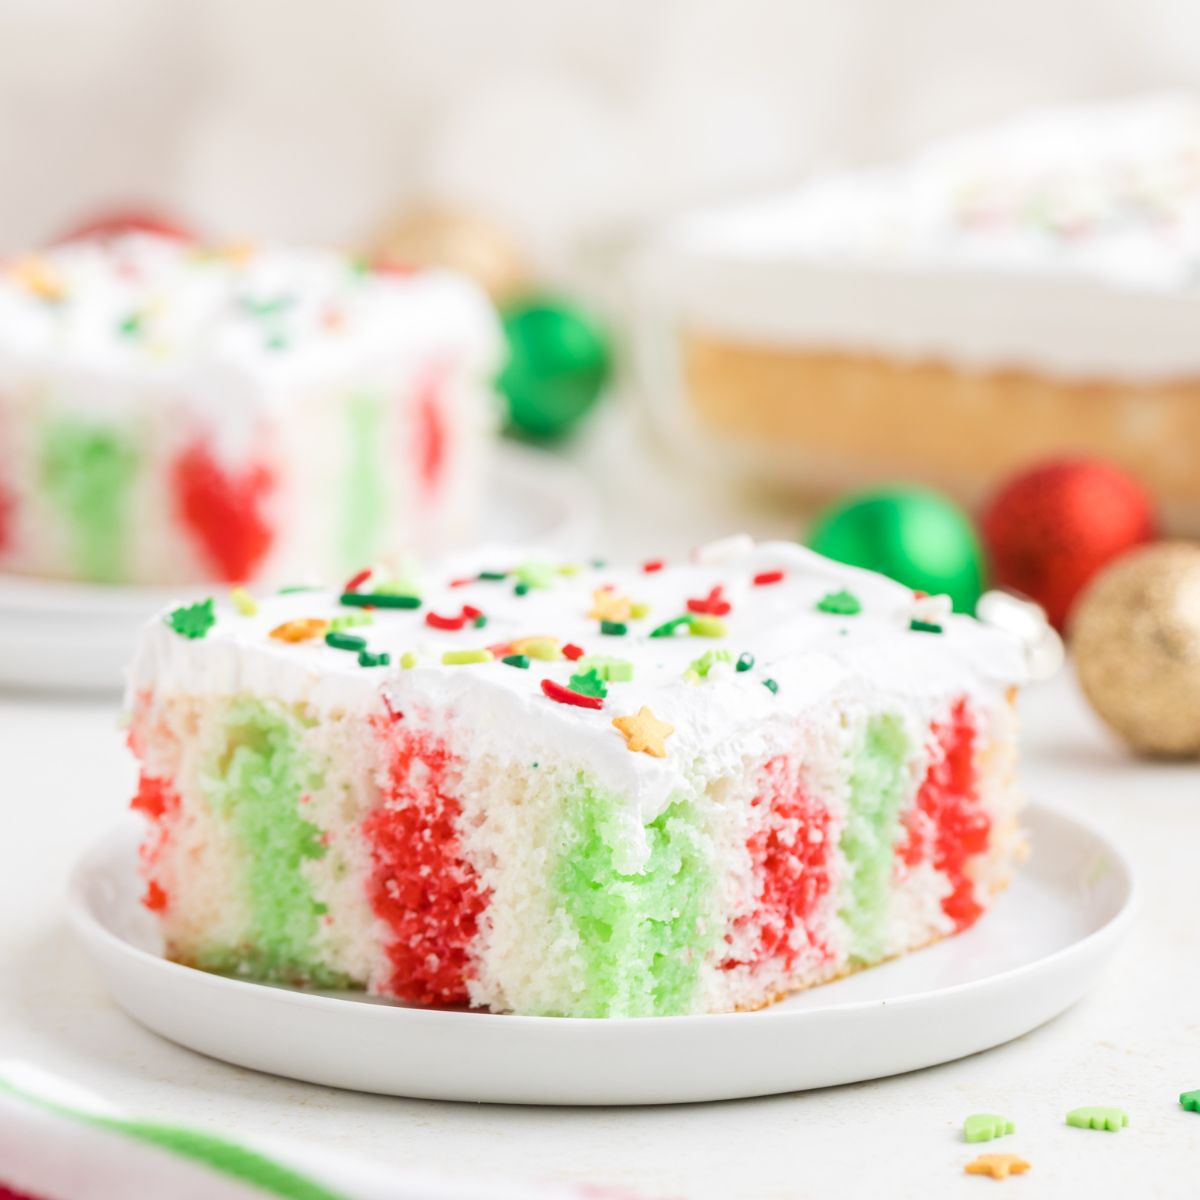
303,629
608,606
37,276
645,733
998,1166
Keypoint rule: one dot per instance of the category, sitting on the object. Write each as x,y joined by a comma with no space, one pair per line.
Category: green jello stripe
878,784
642,937
88,471
365,495
255,781
218,1154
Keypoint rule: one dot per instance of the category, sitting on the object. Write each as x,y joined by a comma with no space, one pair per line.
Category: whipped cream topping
1067,241
160,307
808,655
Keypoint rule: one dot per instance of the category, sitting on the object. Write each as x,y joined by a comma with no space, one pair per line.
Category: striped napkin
58,1142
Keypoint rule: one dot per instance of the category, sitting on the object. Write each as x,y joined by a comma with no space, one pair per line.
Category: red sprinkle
462,582
499,650
356,581
563,695
766,577
572,651
713,605
471,612
452,623
652,565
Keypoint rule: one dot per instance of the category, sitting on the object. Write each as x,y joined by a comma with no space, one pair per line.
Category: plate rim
89,928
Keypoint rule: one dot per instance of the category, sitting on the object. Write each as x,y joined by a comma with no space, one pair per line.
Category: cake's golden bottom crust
843,417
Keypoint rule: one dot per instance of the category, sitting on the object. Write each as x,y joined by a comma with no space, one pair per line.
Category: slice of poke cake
578,790
174,413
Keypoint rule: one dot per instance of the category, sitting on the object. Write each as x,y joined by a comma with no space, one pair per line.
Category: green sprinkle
395,587
668,628
492,576
569,569
545,649
1190,1101
589,683
614,628
708,627
367,659
350,620
924,627
480,621
536,574
521,589
408,660
345,641
295,588
984,1127
745,661
771,686
705,663
612,670
244,602
131,326
598,564
691,678
458,658
1098,1117
517,660
193,620
379,600
843,603
638,611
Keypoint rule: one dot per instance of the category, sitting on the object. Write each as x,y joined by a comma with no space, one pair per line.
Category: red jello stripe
223,511
420,883
791,854
949,824
159,802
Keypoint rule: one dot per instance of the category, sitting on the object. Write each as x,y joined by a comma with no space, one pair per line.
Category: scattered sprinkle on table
1098,1117
984,1127
1190,1101
998,1166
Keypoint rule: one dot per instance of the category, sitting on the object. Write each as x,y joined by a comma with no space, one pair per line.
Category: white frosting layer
139,308
812,656
1066,242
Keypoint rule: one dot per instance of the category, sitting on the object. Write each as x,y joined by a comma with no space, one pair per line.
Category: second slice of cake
582,791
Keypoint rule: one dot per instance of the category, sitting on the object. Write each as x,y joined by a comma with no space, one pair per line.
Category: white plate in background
1036,953
77,636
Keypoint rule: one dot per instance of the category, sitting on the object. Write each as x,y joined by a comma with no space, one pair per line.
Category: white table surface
1135,1042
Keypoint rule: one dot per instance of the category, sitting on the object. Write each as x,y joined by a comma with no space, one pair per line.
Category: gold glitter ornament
1135,639
441,237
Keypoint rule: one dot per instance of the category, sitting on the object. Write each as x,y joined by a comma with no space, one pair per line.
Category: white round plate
56,634
1035,954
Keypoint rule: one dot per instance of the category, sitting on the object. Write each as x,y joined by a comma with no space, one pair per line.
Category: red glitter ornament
1052,527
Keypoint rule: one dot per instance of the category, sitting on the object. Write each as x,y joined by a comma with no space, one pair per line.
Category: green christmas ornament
558,362
914,535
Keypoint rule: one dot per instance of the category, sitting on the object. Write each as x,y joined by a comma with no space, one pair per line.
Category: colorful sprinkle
450,624
1190,1101
771,686
193,620
351,620
710,627
644,733
356,581
536,574
924,627
294,589
458,658
998,1166
613,670
638,610
588,683
705,663
345,641
545,649
984,1127
517,660
409,659
607,605
492,576
563,695
712,605
745,661
614,628
1098,1117
521,589
766,578
244,602
379,600
302,629
572,651
843,604
669,628
367,659
653,564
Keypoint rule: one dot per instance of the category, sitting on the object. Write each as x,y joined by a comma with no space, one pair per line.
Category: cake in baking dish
173,413
549,788
1008,295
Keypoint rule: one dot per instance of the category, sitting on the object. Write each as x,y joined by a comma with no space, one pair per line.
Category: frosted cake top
539,656
148,302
